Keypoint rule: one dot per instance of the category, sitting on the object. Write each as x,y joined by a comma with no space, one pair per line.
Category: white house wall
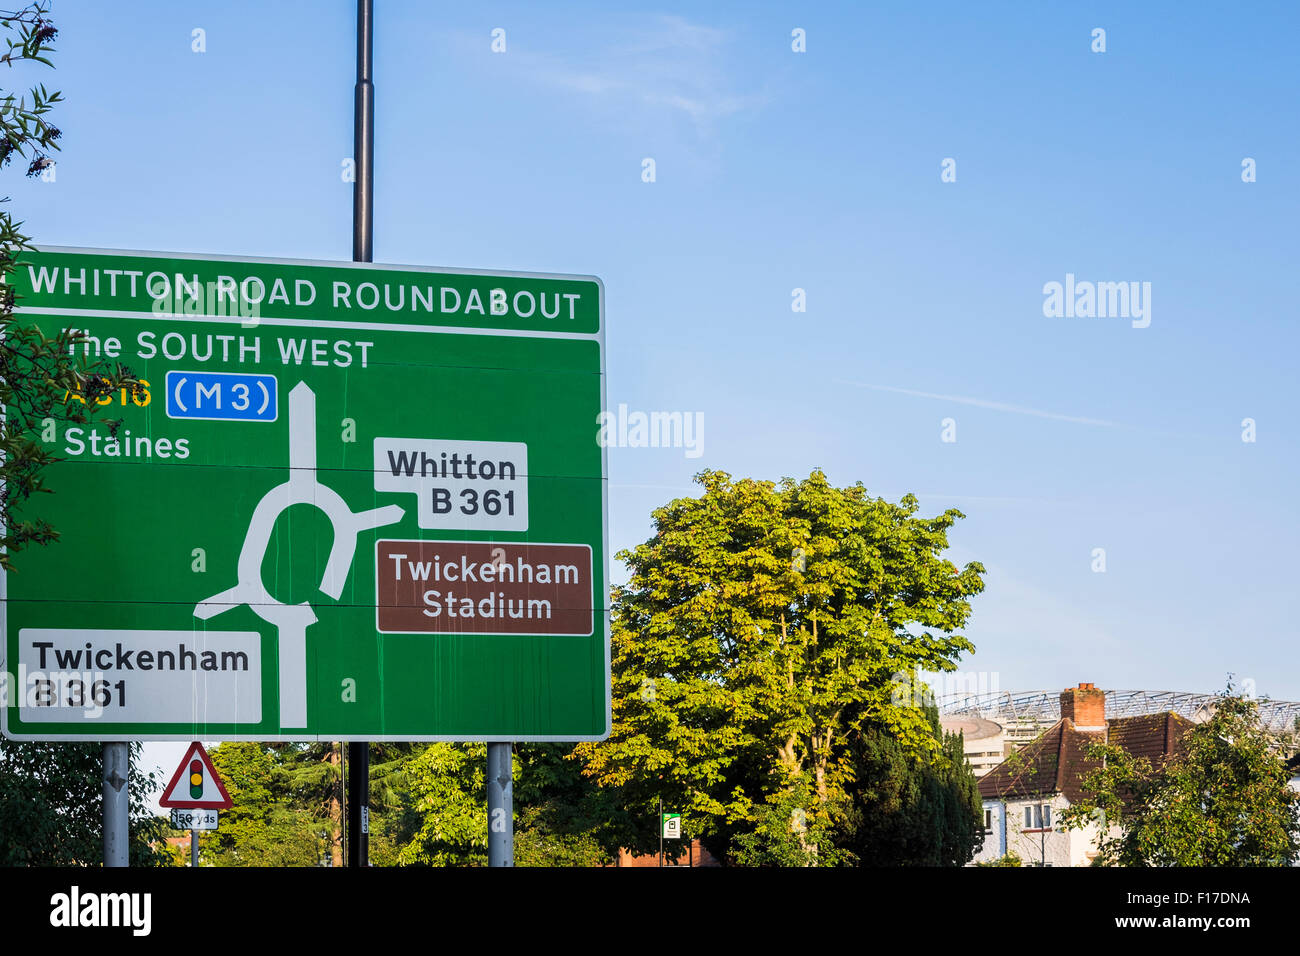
1055,848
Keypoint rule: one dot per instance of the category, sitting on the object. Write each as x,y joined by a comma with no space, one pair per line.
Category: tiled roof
1154,736
1057,761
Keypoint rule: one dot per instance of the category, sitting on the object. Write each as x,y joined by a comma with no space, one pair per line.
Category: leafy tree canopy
52,806
439,815
262,827
910,809
761,628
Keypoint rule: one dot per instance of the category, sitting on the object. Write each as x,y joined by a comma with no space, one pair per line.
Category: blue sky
820,170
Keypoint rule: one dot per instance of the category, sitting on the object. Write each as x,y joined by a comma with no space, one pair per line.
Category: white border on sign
167,398
196,732
489,634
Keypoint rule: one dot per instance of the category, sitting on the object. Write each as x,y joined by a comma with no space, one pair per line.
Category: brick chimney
1086,706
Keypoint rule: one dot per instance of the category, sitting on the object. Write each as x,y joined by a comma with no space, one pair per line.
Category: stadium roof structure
1043,707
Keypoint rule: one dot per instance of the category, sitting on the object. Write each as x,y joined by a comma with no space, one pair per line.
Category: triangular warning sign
195,784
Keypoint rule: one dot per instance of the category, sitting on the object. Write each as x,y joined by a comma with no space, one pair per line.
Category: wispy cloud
666,64
985,403
668,33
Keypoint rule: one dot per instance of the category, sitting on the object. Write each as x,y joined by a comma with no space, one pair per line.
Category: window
988,821
1038,816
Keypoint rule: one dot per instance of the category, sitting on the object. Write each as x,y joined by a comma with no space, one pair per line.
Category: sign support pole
194,848
117,768
363,236
500,794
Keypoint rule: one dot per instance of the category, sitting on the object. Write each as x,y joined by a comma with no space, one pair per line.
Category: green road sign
670,826
357,502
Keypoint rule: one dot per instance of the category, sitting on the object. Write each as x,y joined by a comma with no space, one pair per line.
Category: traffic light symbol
206,790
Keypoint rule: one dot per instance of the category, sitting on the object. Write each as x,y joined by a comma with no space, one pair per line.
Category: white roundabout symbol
292,620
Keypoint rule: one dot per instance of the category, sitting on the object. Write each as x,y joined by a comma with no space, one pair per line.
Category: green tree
447,793
563,818
962,808
262,827
760,629
437,813
42,379
783,834
314,782
393,820
1223,801
911,808
51,807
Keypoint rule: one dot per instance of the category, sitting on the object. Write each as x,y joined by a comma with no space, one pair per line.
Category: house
692,853
1025,794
